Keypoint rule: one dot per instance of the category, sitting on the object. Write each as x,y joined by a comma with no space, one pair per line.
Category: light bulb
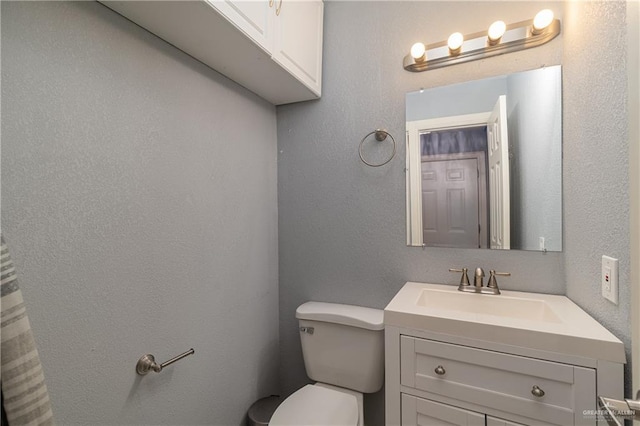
455,42
418,52
496,31
543,19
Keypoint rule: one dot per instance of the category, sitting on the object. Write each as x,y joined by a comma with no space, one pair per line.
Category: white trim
407,167
414,188
633,71
452,122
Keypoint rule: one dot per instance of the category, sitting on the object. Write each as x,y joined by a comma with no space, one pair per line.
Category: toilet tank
343,345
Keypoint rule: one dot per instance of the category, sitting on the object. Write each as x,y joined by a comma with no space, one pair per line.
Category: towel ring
380,136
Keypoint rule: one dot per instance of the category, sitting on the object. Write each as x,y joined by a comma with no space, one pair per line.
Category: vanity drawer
499,381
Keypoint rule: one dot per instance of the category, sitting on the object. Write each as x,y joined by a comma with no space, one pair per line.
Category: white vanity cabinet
503,367
278,56
494,380
455,383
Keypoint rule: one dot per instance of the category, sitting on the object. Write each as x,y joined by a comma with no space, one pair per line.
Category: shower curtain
25,400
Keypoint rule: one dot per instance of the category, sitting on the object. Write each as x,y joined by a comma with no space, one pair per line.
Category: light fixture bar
518,36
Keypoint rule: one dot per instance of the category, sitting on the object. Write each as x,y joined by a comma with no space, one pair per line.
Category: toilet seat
317,405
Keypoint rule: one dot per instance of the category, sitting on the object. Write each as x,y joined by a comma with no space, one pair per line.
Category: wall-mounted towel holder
381,135
148,362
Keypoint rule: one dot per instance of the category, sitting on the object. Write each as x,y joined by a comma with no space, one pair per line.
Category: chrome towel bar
148,362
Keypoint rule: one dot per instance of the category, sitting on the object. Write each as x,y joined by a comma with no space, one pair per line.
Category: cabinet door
494,421
298,40
418,411
254,18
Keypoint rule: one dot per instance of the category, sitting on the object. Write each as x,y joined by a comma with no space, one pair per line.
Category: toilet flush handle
308,330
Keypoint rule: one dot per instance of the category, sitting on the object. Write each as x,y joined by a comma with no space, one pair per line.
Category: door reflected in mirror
484,162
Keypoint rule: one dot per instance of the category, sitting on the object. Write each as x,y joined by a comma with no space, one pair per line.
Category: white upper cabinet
273,48
298,40
254,18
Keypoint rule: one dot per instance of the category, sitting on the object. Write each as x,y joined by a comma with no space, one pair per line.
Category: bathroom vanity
510,359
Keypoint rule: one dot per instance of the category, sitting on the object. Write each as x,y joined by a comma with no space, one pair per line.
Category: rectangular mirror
484,163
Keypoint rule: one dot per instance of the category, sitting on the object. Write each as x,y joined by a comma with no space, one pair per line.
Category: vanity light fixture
499,39
454,42
542,20
496,31
418,51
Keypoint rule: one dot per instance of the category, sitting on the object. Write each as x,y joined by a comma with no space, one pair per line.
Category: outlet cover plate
610,279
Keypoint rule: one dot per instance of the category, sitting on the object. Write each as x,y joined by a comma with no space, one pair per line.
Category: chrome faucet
478,281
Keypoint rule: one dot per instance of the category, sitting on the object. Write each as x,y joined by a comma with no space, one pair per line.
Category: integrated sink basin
520,308
538,322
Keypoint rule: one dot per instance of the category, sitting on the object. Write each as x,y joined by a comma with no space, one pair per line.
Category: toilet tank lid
355,316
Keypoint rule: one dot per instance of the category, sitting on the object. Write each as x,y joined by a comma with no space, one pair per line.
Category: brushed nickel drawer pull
440,371
537,392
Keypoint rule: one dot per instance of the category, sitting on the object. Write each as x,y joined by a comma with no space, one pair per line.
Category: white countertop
570,331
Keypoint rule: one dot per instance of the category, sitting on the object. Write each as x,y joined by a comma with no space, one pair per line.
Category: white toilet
343,349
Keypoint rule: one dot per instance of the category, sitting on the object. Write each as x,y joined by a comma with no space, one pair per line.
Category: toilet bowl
319,404
343,350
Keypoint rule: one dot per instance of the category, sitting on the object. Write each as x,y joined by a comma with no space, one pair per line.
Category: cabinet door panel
494,421
254,18
422,412
298,40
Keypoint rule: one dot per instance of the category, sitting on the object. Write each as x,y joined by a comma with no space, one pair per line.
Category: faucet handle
464,279
493,283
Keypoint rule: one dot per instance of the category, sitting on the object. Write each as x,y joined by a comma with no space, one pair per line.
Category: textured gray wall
535,127
469,97
135,229
139,202
342,224
596,159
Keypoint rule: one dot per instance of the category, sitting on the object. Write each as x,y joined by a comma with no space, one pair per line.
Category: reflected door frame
499,176
414,166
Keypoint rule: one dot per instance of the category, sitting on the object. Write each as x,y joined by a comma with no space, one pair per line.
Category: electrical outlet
610,279
541,244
